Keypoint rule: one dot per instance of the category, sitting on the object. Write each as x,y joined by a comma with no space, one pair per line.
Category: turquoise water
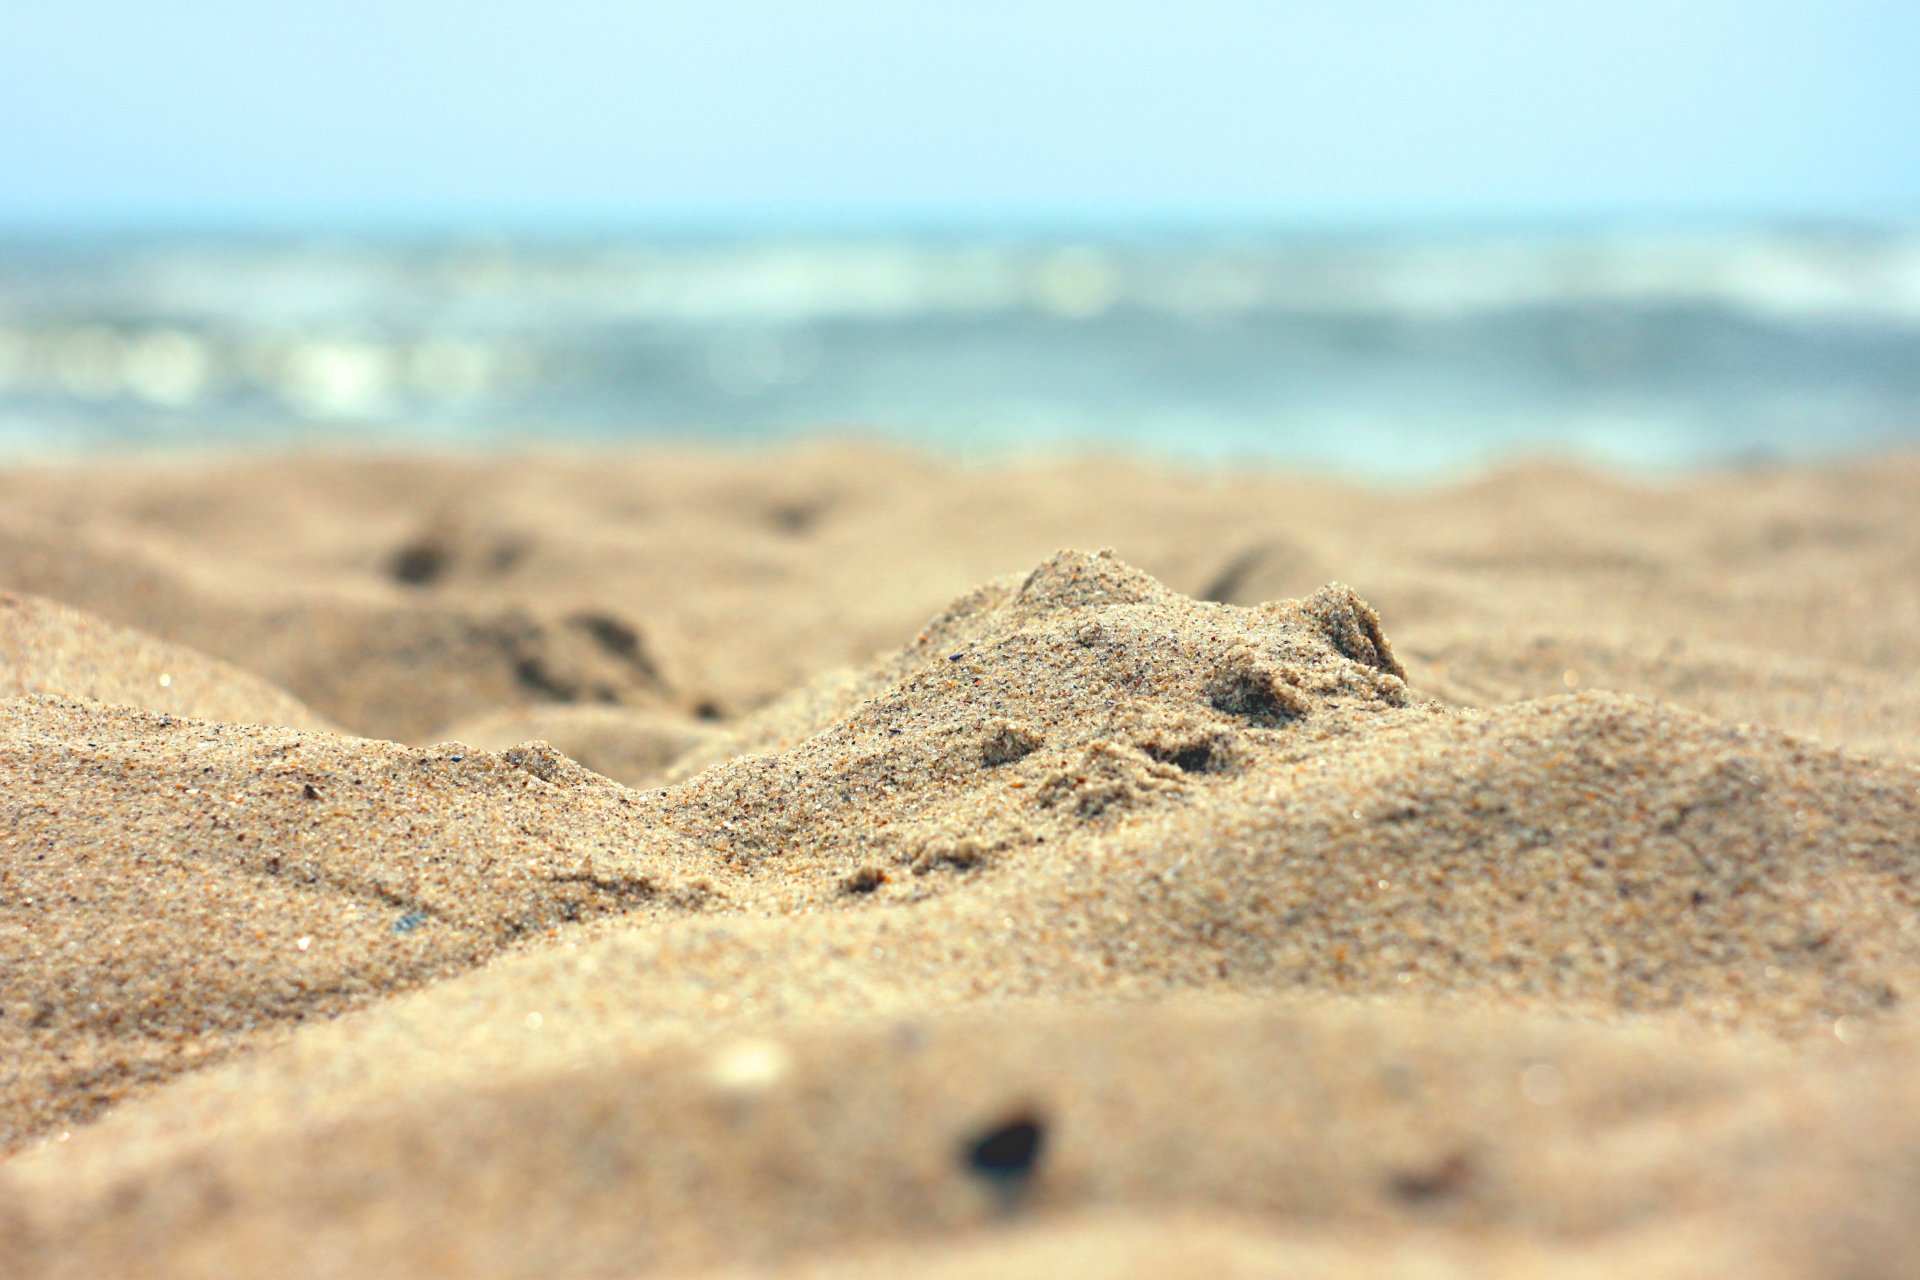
1381,356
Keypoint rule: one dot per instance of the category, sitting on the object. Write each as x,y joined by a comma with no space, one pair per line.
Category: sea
1379,355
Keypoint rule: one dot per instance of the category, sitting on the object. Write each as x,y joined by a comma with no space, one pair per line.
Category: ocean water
1380,356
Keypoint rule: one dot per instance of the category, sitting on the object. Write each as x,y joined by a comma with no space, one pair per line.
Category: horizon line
907,225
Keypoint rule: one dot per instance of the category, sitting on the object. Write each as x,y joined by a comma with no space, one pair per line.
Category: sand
51,649
834,862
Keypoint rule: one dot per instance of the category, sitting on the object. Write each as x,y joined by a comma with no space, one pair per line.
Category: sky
597,114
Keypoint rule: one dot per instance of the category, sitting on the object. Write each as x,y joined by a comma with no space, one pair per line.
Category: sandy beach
833,861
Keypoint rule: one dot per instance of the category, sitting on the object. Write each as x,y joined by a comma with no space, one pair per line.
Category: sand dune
1190,917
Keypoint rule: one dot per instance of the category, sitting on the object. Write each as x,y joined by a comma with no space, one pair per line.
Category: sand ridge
48,648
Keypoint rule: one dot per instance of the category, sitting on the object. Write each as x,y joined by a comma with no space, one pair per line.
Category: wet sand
835,862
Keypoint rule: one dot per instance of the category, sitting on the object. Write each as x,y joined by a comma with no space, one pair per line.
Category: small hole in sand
1257,695
1189,757
1448,1178
866,879
1009,1151
613,636
418,564
796,518
1006,743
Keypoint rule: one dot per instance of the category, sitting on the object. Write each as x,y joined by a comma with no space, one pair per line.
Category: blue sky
590,113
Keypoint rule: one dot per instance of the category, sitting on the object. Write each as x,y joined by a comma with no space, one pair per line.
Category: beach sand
836,862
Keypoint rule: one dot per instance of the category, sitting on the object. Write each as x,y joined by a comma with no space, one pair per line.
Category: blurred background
1388,240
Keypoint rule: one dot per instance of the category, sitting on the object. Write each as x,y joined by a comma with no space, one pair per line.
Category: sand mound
1040,709
1594,853
1209,790
49,648
179,886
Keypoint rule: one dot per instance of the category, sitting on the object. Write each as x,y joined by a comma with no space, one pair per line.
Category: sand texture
799,864
48,648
